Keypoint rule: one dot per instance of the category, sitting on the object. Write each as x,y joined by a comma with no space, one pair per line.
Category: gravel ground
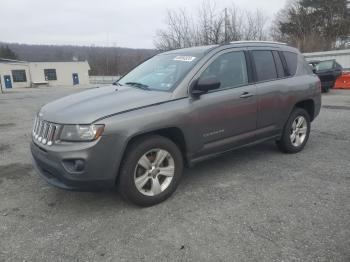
254,204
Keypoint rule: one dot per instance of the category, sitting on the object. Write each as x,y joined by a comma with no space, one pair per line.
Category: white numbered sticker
185,58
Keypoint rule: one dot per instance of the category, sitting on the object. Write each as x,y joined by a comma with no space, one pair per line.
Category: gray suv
174,110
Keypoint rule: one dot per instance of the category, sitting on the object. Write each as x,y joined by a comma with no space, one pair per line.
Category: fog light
74,165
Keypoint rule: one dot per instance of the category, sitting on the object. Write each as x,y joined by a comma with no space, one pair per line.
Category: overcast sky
128,23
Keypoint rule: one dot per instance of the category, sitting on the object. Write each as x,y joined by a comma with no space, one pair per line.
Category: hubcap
154,172
298,131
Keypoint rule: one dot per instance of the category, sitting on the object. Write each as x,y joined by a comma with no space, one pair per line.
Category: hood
88,106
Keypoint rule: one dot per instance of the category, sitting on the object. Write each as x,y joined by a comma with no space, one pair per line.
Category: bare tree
213,26
255,26
235,23
179,32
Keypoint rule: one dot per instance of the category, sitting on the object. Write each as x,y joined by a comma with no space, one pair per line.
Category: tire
157,179
290,143
325,89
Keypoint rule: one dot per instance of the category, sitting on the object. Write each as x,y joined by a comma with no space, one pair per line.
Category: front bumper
100,169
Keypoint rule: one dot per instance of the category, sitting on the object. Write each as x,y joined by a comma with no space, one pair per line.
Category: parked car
177,108
328,71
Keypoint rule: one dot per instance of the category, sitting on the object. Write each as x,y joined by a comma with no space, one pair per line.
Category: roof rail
262,42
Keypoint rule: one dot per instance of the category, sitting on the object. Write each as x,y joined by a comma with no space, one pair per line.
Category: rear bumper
99,172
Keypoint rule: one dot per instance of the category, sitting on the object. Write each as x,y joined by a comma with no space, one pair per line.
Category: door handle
246,95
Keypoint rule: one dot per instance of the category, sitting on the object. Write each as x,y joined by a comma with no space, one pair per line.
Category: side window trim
284,63
250,67
276,58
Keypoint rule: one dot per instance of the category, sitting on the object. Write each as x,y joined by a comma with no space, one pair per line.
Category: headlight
81,132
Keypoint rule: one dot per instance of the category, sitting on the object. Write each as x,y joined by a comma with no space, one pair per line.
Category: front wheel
296,132
151,170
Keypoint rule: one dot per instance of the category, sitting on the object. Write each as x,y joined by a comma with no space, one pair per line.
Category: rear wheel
151,170
325,89
296,132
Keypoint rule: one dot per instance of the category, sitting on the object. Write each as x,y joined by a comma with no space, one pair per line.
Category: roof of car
193,50
206,49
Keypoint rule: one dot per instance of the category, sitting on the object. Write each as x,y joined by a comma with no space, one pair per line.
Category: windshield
325,65
161,72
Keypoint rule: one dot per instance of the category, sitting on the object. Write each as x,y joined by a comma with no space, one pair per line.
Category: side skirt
192,162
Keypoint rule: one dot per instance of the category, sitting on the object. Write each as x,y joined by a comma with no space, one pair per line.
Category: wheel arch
309,106
175,134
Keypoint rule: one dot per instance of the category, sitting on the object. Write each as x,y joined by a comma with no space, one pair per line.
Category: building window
19,76
50,74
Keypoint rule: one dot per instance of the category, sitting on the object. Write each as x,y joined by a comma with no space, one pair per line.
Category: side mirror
204,85
314,70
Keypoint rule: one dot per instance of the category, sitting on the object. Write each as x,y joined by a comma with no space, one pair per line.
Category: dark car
328,71
177,108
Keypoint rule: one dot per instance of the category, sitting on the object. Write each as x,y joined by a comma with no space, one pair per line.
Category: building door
8,83
75,79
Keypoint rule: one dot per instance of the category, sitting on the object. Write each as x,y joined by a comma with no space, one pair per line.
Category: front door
8,83
226,117
75,79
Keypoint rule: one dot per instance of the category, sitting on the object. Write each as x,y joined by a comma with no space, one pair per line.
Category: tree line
313,25
113,61
7,53
310,25
211,25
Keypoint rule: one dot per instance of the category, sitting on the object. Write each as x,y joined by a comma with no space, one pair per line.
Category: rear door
270,83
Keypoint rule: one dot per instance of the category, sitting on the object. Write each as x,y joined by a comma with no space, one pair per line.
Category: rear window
265,65
292,62
325,65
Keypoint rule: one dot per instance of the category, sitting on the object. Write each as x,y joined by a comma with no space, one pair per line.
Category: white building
14,74
341,56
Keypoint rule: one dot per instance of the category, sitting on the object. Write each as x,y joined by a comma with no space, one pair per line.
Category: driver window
230,69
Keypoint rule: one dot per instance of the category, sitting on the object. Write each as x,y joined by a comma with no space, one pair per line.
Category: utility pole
226,24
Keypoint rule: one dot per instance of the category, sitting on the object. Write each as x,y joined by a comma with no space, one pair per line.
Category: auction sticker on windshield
185,58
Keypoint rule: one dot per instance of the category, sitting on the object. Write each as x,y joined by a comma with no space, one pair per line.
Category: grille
45,132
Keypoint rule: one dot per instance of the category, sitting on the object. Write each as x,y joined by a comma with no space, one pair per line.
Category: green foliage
315,24
7,53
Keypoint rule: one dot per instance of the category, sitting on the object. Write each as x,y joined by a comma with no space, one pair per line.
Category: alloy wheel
298,131
154,172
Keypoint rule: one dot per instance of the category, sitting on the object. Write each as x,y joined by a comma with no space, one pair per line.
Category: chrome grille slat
37,126
41,129
45,132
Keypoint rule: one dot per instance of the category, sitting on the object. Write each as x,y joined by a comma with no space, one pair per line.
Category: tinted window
278,63
265,65
292,62
19,76
229,68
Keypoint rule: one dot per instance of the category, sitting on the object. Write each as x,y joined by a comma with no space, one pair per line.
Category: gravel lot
255,204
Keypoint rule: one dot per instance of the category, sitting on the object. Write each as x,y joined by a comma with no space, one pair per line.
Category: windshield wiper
116,83
138,85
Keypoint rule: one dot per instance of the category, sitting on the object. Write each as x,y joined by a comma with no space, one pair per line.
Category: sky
128,23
